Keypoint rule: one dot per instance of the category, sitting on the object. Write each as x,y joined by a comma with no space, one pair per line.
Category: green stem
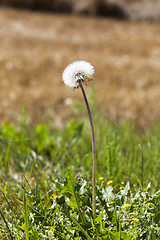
93,154
142,164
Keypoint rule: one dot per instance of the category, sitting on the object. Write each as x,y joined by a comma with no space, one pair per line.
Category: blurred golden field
36,47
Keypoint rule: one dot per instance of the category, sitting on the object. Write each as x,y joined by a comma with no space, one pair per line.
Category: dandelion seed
77,72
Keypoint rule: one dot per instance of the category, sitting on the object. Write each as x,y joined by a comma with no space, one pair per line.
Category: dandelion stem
93,154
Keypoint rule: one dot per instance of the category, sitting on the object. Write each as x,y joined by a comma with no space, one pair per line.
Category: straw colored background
35,48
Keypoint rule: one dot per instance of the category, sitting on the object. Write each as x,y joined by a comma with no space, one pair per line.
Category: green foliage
64,211
122,153
122,213
40,199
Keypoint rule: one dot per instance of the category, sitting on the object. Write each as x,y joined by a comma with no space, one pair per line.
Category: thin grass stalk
8,203
8,229
142,165
93,155
26,217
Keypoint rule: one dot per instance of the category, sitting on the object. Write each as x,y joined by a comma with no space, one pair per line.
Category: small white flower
76,72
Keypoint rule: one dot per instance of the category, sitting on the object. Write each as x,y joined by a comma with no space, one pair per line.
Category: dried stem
93,154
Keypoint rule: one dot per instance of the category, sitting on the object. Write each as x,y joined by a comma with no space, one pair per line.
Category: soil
36,47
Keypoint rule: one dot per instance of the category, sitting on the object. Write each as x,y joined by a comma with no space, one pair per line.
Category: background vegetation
35,49
41,199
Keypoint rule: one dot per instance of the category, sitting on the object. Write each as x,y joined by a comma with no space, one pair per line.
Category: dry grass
35,48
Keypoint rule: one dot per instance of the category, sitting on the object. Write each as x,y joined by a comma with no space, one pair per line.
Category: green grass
40,198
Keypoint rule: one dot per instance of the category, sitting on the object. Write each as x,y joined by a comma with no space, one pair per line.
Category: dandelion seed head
76,72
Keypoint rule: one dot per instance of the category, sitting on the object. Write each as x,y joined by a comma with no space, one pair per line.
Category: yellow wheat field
35,48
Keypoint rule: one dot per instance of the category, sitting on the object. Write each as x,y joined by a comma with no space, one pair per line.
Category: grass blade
26,217
7,227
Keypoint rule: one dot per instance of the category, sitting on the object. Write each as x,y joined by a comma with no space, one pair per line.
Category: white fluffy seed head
76,72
